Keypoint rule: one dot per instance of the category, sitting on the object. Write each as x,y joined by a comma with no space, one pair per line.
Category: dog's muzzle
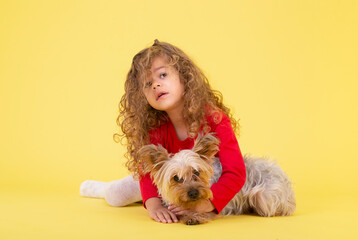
193,194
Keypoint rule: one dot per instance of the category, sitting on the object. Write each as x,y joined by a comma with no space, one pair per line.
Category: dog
184,179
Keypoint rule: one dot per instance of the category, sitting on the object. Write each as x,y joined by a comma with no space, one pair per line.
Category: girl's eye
148,84
163,75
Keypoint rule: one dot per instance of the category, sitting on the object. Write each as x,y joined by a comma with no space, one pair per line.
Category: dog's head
184,178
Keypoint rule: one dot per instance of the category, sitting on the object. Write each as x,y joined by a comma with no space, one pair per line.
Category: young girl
168,101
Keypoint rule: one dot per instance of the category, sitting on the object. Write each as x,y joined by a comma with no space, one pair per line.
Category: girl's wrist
153,203
211,206
206,206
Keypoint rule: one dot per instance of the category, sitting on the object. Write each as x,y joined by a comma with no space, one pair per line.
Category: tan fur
152,157
206,146
267,190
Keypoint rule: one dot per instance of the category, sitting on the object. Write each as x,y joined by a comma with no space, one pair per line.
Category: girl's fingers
170,217
175,208
180,211
171,206
183,212
167,217
173,217
156,218
161,217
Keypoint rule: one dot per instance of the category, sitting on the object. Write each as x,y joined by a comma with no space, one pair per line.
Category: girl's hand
178,210
204,206
158,212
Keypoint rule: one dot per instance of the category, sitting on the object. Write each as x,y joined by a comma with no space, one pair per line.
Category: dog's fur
184,179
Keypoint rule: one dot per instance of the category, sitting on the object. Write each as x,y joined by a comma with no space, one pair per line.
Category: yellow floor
286,69
51,215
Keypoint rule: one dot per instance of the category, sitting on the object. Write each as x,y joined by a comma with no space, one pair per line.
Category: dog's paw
197,218
192,222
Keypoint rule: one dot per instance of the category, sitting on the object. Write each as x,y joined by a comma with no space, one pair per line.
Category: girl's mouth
161,95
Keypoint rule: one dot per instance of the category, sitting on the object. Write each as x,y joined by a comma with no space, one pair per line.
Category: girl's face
164,90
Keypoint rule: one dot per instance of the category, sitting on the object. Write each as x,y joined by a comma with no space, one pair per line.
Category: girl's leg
117,193
94,189
122,192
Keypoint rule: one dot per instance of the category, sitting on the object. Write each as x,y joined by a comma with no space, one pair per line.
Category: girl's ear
206,146
152,157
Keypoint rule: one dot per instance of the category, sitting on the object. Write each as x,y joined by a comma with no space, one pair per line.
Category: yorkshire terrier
184,179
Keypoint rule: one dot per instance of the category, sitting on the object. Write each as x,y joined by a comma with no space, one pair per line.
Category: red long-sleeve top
233,168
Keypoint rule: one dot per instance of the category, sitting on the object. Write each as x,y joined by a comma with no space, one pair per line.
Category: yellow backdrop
288,70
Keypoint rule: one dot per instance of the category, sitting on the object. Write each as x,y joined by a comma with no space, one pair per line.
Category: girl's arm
153,203
147,188
233,175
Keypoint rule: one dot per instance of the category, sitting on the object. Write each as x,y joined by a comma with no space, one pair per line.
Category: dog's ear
152,157
206,146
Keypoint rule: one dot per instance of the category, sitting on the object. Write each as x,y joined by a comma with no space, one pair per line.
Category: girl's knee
112,194
121,193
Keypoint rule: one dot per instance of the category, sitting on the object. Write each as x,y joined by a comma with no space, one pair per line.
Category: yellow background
287,69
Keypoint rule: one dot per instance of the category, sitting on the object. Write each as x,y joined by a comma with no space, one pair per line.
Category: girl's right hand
158,212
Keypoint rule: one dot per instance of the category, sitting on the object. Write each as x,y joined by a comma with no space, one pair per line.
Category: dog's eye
177,179
197,173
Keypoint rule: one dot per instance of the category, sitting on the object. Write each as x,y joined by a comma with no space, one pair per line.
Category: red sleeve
147,188
233,174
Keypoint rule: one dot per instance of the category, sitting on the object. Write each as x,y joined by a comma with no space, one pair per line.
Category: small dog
184,179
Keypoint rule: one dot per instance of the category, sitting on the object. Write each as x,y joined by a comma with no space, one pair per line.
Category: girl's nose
155,84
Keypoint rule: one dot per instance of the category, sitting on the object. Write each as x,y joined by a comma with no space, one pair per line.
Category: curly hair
136,117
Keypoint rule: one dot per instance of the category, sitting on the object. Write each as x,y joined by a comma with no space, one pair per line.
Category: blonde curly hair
136,117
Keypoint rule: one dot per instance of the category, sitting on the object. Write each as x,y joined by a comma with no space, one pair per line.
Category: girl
168,101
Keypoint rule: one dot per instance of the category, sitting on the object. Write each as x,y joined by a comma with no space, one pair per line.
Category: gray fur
267,190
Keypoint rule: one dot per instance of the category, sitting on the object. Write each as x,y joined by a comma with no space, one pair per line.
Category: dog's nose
193,194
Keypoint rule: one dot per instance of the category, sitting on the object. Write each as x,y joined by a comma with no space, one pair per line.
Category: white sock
122,192
94,189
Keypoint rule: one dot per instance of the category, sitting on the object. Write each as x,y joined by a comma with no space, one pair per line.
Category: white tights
122,192
117,193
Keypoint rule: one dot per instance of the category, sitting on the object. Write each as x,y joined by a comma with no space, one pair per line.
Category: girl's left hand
204,206
178,210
